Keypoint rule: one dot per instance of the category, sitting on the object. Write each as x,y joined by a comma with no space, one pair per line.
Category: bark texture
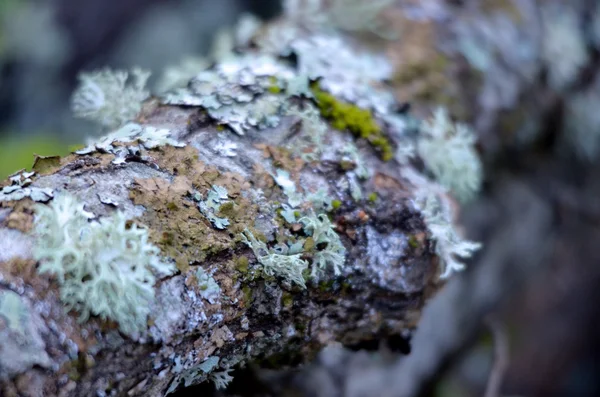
389,272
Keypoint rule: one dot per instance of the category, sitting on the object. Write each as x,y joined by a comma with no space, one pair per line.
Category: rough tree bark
389,272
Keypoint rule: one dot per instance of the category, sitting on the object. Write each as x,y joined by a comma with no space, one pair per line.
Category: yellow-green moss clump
346,116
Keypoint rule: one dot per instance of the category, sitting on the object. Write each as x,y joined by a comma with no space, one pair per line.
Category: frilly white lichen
110,98
448,152
104,268
350,153
221,379
449,246
14,313
345,72
332,253
277,263
282,178
177,76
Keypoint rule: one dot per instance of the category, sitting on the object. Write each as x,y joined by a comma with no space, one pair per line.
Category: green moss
360,122
287,300
413,242
227,210
300,327
335,204
325,286
372,197
242,264
274,87
309,244
247,291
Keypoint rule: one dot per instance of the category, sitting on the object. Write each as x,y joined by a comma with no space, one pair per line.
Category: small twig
500,357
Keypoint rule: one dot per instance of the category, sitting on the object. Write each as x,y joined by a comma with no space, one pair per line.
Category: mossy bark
388,273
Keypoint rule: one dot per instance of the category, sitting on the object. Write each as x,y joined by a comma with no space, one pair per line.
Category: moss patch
345,116
176,225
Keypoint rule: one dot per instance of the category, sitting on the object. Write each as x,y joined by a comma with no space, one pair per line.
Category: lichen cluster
269,194
105,268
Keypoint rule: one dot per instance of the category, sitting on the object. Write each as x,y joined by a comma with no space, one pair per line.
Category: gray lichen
20,188
235,92
149,137
217,196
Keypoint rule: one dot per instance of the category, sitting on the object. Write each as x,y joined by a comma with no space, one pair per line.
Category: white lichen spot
209,289
221,378
563,47
110,98
449,245
448,152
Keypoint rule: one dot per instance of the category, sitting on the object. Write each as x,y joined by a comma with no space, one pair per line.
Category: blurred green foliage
17,153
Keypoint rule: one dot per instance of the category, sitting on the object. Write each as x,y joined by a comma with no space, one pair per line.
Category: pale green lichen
350,15
331,251
217,196
277,263
13,312
321,200
448,152
192,375
282,178
221,379
105,268
308,145
563,45
350,154
209,289
235,93
110,98
449,245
